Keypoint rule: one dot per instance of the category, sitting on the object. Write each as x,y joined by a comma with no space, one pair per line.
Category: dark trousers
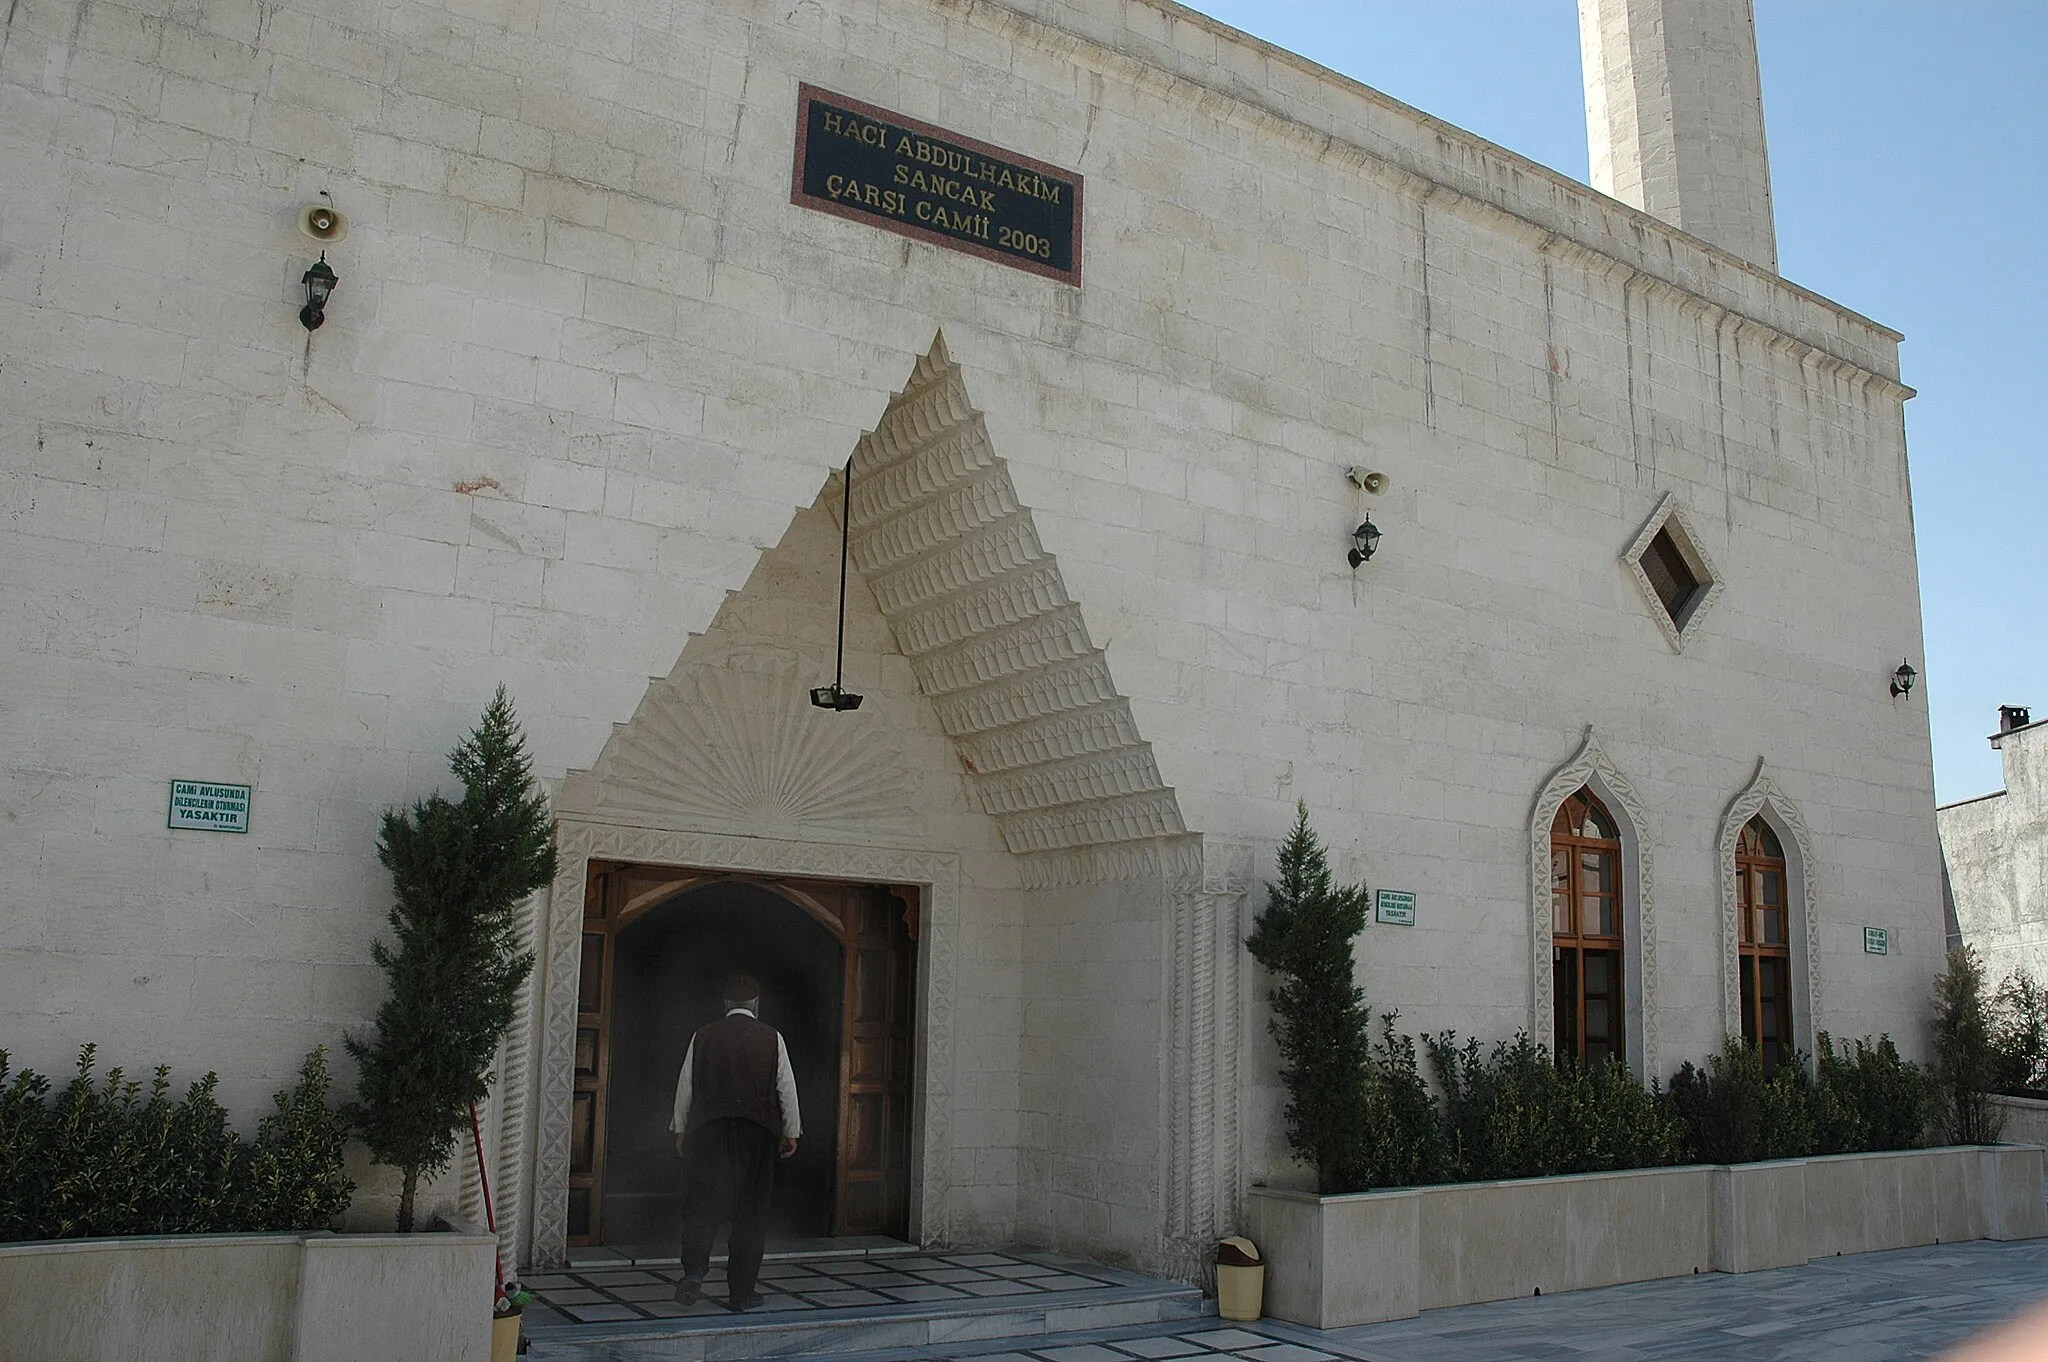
728,1176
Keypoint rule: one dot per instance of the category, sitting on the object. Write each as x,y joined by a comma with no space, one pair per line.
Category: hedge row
106,1158
1515,1111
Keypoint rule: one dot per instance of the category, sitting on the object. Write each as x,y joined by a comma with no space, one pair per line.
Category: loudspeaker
1370,482
323,223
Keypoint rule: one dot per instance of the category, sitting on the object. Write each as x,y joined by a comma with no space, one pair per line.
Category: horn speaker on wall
1374,483
323,222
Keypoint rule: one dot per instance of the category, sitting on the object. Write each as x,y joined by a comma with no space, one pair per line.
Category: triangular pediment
976,664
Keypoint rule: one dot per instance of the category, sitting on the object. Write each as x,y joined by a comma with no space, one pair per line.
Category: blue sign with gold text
856,161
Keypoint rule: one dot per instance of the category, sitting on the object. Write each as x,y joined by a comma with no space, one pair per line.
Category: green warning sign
209,806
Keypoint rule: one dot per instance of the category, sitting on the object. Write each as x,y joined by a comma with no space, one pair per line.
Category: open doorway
837,964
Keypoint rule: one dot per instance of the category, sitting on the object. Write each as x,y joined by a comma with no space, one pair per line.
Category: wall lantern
1902,679
320,282
1365,541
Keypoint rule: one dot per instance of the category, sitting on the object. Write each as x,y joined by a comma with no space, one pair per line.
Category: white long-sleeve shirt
785,1087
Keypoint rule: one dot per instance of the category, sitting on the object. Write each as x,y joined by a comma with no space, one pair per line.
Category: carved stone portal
725,767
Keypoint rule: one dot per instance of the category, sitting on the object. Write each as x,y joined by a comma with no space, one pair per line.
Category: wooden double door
838,966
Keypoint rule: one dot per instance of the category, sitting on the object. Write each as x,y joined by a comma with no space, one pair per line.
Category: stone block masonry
587,364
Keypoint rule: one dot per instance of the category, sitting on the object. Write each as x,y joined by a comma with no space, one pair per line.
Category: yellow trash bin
504,1338
1240,1279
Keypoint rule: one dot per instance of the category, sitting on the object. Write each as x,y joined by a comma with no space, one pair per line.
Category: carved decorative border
511,1095
1762,796
546,1191
1205,963
1589,767
1669,512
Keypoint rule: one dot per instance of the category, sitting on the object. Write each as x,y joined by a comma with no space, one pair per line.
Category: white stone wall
1996,848
1093,1059
586,362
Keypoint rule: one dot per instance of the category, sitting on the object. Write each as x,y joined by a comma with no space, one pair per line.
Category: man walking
735,1114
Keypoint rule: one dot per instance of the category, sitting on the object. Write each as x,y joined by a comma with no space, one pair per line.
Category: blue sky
1909,165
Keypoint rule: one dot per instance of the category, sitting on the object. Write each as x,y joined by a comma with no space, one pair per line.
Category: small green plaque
1877,941
209,806
1394,906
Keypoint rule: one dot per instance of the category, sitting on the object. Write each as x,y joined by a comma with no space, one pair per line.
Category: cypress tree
1965,1065
458,873
1319,1016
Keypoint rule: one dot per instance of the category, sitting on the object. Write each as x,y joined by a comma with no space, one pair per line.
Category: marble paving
603,1293
1901,1306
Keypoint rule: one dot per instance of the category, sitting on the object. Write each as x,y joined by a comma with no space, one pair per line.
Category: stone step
1125,1301
779,1251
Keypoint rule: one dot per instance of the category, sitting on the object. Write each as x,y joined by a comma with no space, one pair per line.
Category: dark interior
671,964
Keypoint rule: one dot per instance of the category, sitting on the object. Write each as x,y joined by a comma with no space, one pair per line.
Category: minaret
1675,117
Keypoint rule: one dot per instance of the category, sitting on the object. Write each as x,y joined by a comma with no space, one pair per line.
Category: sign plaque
1877,941
860,162
1394,906
209,806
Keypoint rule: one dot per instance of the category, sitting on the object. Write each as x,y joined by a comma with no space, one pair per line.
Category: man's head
743,990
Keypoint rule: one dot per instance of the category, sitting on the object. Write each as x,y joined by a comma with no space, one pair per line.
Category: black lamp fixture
320,281
1903,679
1365,541
836,697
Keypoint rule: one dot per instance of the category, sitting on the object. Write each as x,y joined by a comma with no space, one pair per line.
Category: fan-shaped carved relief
740,747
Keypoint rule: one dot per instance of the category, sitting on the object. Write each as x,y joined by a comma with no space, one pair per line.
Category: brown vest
733,1073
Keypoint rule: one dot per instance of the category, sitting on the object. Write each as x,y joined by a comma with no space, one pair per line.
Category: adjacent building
1995,850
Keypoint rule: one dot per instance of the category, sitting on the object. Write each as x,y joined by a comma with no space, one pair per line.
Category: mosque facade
1089,336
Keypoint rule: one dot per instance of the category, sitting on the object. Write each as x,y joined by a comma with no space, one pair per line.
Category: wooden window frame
1673,577
1752,864
1575,939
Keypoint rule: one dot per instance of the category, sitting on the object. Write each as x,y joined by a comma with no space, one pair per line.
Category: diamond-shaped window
1677,577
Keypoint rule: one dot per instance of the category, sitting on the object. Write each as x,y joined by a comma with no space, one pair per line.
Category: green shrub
294,1179
104,1159
1516,1112
2019,1036
1964,1063
1402,1144
1866,1097
1623,1123
1733,1114
1502,1111
24,1152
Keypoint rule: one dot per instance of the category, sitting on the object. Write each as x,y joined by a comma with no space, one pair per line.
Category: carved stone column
1205,960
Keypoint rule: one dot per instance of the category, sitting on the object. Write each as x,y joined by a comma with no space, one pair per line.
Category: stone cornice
1239,78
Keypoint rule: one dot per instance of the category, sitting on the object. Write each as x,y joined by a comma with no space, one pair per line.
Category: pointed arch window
1763,953
1586,951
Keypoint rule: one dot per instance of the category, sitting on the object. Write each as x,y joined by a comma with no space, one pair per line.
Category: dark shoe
750,1301
689,1290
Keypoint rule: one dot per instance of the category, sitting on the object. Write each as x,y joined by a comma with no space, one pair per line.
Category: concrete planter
2026,1120
251,1297
1342,1260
